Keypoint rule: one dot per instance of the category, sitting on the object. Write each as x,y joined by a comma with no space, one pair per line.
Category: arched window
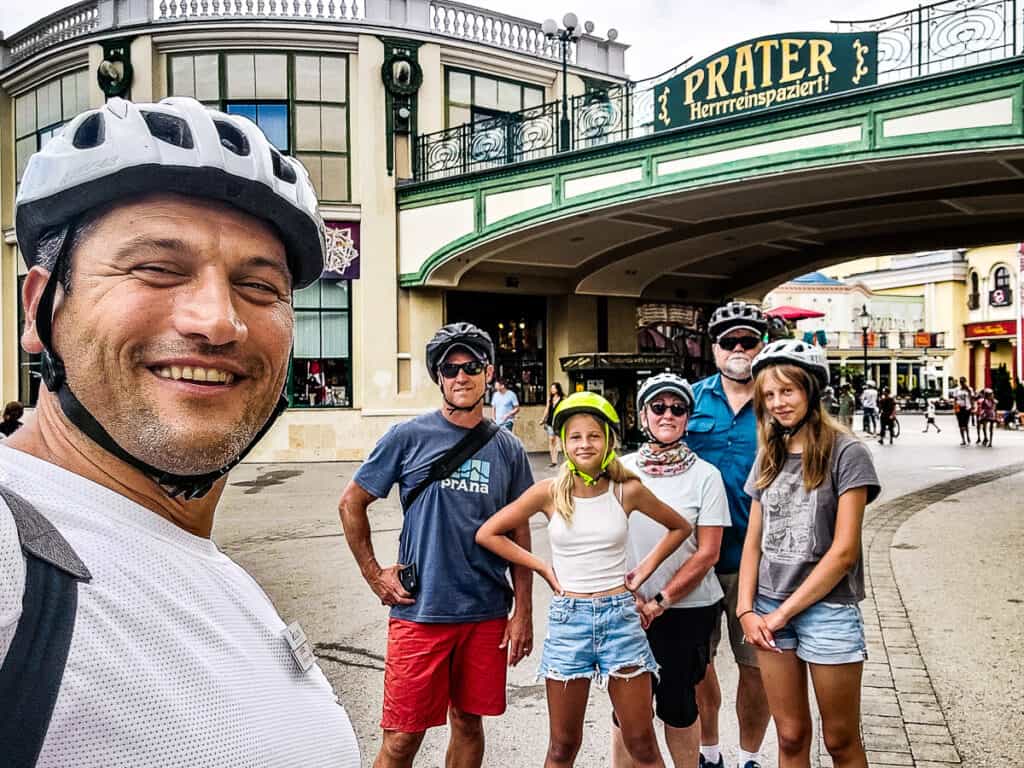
974,300
1000,295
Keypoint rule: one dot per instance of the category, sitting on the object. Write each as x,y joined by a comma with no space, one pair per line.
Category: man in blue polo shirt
723,431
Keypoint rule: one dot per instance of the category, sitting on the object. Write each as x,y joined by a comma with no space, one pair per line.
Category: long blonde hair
565,482
820,430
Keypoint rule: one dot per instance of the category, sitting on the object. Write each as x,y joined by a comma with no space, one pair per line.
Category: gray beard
737,367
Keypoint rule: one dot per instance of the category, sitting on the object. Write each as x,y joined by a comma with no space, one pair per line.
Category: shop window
300,101
40,114
321,371
518,326
473,97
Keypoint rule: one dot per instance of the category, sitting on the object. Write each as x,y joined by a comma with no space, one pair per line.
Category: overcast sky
661,32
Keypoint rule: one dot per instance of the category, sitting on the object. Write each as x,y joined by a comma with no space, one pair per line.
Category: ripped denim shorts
594,638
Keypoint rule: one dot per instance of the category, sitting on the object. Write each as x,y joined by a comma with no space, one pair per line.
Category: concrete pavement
280,522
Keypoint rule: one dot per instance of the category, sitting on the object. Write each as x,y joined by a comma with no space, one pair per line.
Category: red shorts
429,666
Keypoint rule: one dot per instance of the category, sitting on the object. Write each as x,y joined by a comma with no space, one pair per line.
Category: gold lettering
695,111
764,48
693,81
744,69
821,58
790,55
716,79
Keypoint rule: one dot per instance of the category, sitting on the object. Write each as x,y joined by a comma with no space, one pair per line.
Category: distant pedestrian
847,404
963,399
828,401
506,405
869,404
886,416
802,571
929,417
13,412
987,415
555,396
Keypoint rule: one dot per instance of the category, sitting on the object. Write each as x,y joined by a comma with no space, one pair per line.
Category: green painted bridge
738,205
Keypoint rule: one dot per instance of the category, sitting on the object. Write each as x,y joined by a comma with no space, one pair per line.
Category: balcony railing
974,301
331,10
483,26
66,24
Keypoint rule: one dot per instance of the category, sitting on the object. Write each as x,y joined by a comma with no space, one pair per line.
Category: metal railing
482,26
925,40
66,24
942,36
332,10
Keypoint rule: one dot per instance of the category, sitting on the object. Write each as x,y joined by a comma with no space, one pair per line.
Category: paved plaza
943,546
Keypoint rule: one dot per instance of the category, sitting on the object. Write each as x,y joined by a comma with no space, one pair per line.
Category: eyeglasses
659,409
470,367
747,342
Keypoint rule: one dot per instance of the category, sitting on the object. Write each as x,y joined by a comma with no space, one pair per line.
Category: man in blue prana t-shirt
449,643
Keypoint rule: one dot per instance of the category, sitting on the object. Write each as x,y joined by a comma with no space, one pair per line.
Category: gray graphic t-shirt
797,525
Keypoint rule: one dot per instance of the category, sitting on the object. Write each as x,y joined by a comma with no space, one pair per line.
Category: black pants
886,424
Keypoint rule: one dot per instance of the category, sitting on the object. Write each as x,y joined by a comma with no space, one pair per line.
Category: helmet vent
282,169
89,133
169,128
232,139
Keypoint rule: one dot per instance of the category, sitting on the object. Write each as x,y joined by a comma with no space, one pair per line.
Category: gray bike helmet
736,314
661,383
467,336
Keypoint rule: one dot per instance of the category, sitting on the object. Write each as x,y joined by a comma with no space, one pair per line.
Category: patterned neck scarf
667,463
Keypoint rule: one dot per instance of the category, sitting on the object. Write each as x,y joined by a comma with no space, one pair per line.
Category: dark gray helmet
467,336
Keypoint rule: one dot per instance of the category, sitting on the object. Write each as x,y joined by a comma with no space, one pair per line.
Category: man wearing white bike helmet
163,243
723,431
680,602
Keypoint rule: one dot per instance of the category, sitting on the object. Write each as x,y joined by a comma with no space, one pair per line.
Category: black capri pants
681,641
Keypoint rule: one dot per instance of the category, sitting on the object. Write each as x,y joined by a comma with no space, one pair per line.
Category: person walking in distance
929,416
869,405
450,637
723,431
163,244
886,415
555,396
802,574
963,402
595,632
681,603
505,404
987,415
847,404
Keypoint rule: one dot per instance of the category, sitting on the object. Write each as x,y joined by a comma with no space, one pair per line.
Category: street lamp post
566,36
865,324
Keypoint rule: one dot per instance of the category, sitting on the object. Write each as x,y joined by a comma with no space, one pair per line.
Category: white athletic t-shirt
176,659
698,494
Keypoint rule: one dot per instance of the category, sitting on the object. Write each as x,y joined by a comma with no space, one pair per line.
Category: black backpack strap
454,458
32,671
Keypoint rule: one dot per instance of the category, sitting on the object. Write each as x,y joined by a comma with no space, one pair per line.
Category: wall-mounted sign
999,297
766,72
342,261
924,340
990,328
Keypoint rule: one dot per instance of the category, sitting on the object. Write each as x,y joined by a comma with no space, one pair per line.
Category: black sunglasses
471,367
747,342
659,408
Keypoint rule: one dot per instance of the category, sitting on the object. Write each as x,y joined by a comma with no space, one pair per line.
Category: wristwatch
659,598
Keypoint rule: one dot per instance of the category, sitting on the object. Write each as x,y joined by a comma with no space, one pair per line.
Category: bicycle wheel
895,428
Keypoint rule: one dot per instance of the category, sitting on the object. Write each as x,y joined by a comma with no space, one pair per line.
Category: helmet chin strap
609,457
736,378
452,407
652,439
55,377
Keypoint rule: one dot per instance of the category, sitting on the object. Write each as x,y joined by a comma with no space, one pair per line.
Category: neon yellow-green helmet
593,404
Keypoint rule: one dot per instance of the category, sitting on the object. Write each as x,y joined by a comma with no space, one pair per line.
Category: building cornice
909,276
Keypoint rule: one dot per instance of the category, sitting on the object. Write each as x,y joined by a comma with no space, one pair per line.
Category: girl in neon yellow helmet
588,506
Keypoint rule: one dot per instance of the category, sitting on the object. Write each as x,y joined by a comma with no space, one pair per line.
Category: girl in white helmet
594,627
802,572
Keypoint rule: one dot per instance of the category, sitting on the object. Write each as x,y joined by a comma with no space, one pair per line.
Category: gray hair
50,244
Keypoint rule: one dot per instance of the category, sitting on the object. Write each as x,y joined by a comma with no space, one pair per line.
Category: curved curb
901,719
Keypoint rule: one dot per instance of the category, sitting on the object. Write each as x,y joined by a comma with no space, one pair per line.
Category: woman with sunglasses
680,603
594,627
802,571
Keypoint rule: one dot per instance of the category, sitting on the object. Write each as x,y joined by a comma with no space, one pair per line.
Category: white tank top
589,555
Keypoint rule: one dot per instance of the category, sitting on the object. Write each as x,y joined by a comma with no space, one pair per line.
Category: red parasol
787,312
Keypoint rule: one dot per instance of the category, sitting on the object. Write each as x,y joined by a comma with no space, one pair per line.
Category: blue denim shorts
825,633
595,637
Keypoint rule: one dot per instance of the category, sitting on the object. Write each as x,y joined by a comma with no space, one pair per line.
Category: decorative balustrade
332,10
482,26
66,24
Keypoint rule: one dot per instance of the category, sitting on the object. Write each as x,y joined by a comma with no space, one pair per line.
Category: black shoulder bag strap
32,671
454,458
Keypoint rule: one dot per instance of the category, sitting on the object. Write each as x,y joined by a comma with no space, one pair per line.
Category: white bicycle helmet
736,314
661,383
793,352
124,150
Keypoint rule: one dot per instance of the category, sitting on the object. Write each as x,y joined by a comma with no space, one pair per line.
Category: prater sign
766,72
